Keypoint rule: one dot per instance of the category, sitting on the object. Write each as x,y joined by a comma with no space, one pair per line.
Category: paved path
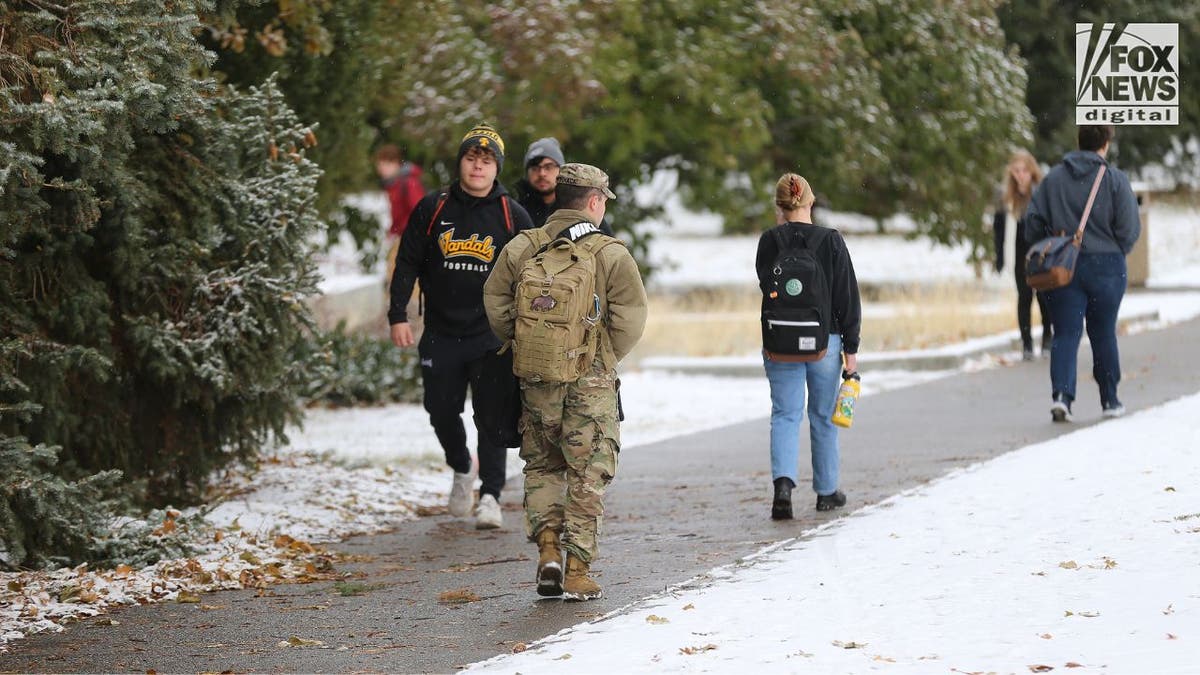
677,509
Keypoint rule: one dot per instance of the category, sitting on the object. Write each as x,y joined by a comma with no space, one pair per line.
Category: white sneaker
487,514
462,494
1114,411
1060,410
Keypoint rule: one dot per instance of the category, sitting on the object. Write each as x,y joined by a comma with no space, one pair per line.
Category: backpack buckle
595,317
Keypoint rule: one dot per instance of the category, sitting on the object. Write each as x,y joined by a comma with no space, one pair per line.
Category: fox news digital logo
1127,75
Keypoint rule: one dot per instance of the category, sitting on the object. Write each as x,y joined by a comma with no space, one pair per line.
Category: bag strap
572,233
1087,210
818,235
507,214
441,202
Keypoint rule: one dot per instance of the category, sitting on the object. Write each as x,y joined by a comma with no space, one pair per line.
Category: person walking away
1098,285
1021,177
811,318
451,245
570,300
401,180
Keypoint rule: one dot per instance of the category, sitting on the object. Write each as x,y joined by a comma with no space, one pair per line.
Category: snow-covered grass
1018,564
367,470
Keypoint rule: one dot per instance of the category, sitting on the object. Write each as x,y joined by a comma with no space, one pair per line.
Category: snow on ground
686,242
1018,564
366,470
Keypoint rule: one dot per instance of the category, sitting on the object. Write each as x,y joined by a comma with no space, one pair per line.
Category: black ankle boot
781,508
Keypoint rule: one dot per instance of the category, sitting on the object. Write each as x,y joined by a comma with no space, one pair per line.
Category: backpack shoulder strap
818,237
779,237
436,211
508,225
574,234
537,241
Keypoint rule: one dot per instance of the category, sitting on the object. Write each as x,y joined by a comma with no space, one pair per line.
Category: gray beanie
544,147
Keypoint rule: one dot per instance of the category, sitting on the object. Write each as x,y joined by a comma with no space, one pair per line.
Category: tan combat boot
549,569
578,585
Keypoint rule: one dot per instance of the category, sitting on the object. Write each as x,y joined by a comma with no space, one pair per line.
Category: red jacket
404,190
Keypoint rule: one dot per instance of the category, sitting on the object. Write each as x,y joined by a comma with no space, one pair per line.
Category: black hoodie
452,249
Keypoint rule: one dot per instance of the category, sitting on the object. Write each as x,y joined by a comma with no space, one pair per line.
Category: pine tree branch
49,6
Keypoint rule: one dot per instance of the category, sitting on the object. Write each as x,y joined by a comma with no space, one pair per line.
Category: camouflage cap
585,175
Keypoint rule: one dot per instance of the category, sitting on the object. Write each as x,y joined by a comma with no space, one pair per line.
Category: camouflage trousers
570,441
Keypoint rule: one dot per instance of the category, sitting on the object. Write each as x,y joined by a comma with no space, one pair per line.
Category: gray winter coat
1113,225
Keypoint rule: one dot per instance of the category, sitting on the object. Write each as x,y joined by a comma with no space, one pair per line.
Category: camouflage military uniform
570,443
570,434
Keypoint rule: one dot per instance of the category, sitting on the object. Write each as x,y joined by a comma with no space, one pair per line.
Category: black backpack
797,308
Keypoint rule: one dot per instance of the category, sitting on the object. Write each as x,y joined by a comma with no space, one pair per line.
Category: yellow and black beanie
484,137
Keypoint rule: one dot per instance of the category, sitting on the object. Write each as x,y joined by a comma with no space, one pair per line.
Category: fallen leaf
123,570
1046,636
657,620
1072,664
519,647
880,657
106,621
1168,489
167,527
248,556
1041,668
1172,636
1090,615
187,597
697,650
849,645
1109,563
209,608
689,606
458,596
294,641
1069,565
1069,613
1170,609
564,657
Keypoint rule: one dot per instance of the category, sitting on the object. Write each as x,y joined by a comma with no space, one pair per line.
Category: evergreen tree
1044,31
953,112
330,60
154,250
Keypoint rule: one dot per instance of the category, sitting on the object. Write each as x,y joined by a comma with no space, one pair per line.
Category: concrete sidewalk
677,509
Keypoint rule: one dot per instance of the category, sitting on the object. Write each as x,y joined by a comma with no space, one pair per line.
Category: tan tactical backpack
558,311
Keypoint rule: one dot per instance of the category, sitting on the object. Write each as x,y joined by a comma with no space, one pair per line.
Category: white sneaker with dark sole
1117,410
487,514
1060,411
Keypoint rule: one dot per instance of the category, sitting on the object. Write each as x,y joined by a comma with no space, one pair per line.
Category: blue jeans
788,380
1094,294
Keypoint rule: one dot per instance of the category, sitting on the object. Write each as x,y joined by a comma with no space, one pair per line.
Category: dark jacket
1113,225
452,252
839,273
1021,247
531,200
539,210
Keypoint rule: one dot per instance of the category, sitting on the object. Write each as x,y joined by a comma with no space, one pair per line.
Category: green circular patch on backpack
793,287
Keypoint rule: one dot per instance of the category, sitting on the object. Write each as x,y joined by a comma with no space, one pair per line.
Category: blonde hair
1014,200
793,192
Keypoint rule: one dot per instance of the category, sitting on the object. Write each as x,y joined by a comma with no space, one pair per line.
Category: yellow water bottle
843,411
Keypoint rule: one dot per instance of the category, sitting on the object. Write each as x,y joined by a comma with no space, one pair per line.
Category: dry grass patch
725,322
